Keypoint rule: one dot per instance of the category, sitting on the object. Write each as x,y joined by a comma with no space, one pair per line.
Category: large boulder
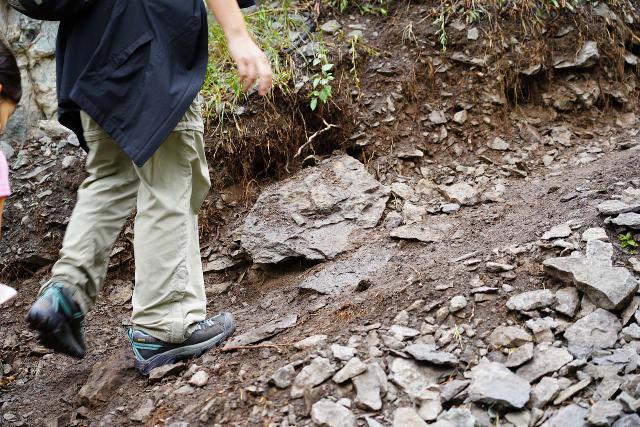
313,214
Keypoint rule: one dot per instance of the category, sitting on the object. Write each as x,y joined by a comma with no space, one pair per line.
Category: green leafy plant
271,26
628,243
321,81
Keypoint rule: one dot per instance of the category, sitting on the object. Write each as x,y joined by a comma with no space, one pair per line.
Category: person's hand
7,107
252,64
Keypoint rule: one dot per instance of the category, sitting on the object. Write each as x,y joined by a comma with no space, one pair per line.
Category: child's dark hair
9,75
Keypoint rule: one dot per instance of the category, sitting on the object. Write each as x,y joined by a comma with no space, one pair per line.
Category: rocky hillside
34,43
459,250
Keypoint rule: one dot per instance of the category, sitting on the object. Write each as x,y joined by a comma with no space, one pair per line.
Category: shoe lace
207,323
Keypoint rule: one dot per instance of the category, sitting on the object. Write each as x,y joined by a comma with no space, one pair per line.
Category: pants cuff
78,295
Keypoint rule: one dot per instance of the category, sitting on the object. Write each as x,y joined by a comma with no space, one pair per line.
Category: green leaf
313,104
327,67
325,94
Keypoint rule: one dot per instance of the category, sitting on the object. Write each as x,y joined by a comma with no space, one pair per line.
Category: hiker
10,94
128,77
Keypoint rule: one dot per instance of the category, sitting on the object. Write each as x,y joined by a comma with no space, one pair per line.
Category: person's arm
251,61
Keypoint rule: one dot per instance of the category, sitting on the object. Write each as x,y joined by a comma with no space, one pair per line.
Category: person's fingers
252,75
242,70
266,76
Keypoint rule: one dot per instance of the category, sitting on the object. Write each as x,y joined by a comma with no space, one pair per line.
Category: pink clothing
5,190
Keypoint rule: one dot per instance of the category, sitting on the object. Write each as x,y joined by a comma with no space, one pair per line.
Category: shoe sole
187,352
55,333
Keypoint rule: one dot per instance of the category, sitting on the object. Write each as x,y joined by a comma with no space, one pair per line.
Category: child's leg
6,294
105,200
1,213
169,297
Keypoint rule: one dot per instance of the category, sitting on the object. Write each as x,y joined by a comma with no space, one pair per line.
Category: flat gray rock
531,300
572,390
438,117
407,417
569,416
312,342
587,57
498,144
456,417
604,413
372,422
427,353
313,214
426,233
519,356
263,332
519,418
414,378
163,371
199,379
631,220
460,193
509,336
544,392
452,389
403,332
107,376
596,233
541,324
430,409
494,384
631,332
331,26
596,331
631,420
342,352
283,377
345,274
369,387
546,360
353,367
607,286
143,412
326,413
315,373
617,207
457,303
557,232
568,301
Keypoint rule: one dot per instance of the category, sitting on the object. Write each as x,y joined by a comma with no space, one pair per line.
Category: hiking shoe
151,353
59,320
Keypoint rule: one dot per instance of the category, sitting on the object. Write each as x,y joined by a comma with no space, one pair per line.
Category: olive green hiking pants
168,191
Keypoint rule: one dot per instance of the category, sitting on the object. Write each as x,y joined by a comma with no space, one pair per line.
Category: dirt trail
49,384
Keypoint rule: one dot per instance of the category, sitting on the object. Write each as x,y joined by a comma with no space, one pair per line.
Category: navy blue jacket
134,66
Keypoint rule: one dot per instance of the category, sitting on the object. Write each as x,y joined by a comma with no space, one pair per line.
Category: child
10,93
